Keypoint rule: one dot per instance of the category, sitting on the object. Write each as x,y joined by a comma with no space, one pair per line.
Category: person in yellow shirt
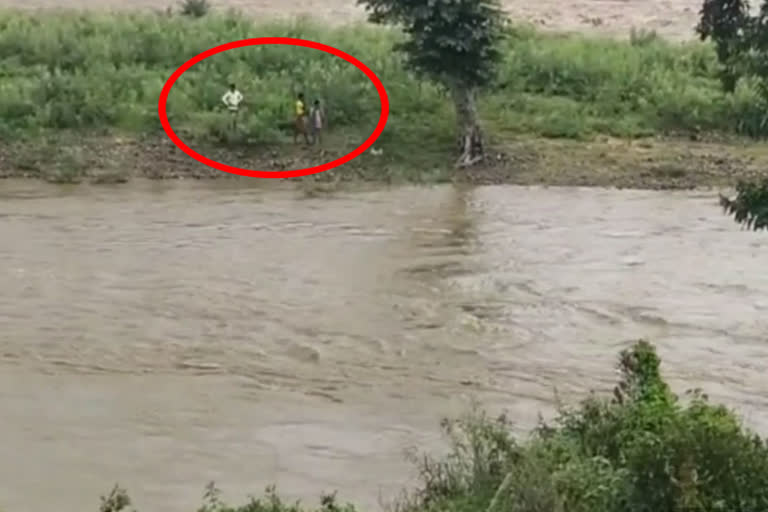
300,127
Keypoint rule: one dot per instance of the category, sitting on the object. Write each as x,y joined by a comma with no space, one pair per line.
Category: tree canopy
448,40
729,25
750,206
741,41
454,42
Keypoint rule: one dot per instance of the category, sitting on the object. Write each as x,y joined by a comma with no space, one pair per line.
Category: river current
164,335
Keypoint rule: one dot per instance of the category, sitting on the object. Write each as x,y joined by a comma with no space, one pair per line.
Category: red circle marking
162,107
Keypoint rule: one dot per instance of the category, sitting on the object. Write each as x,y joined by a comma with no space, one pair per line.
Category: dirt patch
673,19
643,164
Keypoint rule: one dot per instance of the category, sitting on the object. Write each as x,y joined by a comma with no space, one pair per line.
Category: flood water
165,335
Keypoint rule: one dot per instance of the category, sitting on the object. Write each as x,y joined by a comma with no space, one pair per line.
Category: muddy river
165,335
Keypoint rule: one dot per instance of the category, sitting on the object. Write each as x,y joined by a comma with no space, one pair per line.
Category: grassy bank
642,450
96,77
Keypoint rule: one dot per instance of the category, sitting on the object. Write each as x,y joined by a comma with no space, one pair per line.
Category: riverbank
565,110
649,163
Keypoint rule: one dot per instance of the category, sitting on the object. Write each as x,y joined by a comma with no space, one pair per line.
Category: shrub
195,8
750,206
643,450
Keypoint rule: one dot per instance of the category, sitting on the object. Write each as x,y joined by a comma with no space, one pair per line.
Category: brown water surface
165,335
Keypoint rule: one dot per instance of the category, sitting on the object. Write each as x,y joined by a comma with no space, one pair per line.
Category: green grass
576,86
105,72
102,73
643,450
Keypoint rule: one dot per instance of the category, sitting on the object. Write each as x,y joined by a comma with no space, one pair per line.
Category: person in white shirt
232,99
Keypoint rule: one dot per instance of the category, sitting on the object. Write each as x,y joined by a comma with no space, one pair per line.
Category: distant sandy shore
674,19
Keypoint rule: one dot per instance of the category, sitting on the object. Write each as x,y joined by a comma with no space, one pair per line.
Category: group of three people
304,125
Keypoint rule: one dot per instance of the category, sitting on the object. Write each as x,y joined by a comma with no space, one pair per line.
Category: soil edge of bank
651,163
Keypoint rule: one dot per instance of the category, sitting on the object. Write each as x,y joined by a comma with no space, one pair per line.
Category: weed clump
116,501
195,8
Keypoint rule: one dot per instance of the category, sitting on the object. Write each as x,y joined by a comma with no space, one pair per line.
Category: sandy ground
674,19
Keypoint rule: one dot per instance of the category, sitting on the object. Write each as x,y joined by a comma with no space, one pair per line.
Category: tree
728,24
455,43
741,41
750,206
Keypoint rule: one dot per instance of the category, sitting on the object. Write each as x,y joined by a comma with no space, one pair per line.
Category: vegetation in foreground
750,206
741,42
92,75
642,450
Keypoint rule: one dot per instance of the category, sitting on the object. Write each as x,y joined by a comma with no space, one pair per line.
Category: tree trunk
470,136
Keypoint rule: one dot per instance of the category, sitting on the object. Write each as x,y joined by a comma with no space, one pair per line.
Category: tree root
471,147
469,160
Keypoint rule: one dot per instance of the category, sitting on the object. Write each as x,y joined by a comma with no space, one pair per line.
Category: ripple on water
319,337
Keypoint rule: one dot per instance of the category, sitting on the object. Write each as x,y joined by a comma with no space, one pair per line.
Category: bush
195,8
750,206
643,450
